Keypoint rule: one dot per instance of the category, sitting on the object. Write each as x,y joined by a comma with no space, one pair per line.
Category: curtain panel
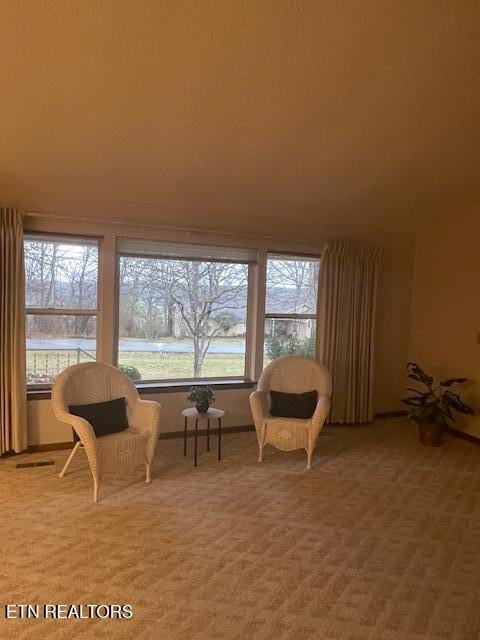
347,297
13,423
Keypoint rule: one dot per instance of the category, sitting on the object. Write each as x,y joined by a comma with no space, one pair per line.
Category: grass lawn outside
44,366
158,366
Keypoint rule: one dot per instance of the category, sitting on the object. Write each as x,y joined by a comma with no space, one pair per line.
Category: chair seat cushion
105,417
293,405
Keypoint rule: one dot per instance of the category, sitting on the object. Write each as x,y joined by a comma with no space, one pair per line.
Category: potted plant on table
202,396
433,408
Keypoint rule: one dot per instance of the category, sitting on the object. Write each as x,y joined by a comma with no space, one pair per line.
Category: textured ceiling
359,114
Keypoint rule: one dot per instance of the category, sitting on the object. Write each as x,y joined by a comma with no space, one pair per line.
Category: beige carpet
381,541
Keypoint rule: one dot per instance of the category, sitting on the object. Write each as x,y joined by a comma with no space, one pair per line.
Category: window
182,310
291,306
61,276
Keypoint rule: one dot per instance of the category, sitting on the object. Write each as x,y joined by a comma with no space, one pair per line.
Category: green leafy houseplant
433,407
202,396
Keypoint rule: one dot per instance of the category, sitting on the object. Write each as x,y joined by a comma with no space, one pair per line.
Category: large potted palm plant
434,406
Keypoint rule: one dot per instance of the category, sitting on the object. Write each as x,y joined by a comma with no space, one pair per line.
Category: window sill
181,387
146,388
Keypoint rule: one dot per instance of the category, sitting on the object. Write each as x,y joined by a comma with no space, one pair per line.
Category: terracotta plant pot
431,434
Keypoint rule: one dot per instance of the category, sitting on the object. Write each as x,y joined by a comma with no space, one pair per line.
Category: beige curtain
346,326
13,427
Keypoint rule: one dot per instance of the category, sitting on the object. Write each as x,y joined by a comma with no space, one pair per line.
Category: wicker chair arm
82,427
321,411
146,417
258,405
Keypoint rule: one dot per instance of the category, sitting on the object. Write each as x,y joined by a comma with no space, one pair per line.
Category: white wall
446,305
44,428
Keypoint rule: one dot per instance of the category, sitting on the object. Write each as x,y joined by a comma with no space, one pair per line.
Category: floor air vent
42,463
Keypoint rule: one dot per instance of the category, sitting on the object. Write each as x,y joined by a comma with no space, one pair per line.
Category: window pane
55,342
182,319
289,337
60,274
292,285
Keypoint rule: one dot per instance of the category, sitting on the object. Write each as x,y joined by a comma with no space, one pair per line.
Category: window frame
281,255
106,312
75,239
181,383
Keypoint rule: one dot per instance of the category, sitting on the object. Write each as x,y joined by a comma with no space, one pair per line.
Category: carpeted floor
380,541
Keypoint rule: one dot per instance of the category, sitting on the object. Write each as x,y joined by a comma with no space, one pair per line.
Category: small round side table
211,414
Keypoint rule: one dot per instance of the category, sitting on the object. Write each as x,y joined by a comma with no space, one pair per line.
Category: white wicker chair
291,374
118,452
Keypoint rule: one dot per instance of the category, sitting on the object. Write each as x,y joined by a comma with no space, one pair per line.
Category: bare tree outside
201,290
292,285
291,304
58,275
178,318
184,300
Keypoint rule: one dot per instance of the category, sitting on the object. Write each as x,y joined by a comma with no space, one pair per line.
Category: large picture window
291,306
182,310
61,280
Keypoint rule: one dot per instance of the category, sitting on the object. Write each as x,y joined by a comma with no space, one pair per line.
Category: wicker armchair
291,374
118,452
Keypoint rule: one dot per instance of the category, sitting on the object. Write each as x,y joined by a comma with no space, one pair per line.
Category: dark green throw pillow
105,417
293,405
